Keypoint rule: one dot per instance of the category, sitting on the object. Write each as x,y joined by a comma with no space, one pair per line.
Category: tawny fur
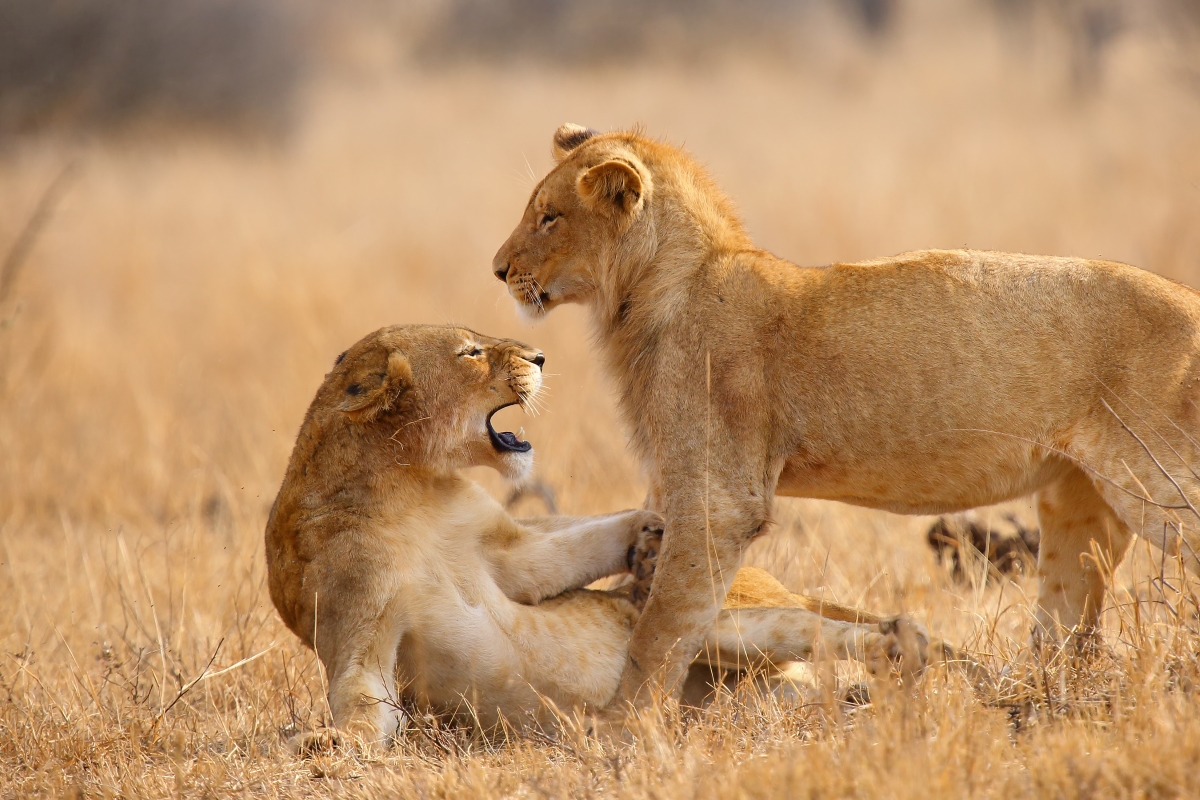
415,587
926,383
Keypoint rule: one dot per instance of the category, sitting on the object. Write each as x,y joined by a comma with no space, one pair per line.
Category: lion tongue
507,440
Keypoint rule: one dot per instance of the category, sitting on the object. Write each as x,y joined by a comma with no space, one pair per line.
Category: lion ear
568,137
614,187
375,386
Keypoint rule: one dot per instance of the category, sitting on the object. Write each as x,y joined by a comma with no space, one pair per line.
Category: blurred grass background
253,185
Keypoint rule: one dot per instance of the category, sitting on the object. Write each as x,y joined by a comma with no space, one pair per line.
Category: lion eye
547,217
473,352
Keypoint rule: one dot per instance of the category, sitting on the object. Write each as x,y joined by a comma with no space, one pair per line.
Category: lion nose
538,360
502,272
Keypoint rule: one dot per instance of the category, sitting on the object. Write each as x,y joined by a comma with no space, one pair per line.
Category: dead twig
187,687
1187,502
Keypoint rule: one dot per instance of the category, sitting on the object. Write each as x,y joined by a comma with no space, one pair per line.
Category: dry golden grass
181,308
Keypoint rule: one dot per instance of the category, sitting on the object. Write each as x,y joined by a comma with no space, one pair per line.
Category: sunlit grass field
179,310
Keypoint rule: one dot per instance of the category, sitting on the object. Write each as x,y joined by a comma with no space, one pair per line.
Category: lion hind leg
1083,540
751,588
1156,494
1143,454
752,638
756,588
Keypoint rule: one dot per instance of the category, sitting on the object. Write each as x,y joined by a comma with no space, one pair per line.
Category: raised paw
901,645
642,559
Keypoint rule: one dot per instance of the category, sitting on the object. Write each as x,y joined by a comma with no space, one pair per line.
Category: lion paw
314,743
901,645
358,738
642,560
610,728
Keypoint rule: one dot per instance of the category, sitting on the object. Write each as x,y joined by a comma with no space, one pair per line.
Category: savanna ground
182,304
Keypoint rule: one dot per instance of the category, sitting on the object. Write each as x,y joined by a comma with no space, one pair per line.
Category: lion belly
499,658
916,487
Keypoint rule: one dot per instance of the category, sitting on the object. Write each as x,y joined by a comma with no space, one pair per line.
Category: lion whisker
537,293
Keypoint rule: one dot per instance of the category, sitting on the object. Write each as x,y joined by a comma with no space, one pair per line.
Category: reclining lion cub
413,585
926,383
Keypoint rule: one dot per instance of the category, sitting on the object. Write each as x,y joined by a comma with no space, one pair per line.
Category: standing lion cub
415,587
926,383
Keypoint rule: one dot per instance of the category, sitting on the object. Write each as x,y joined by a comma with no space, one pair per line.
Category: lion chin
531,313
515,467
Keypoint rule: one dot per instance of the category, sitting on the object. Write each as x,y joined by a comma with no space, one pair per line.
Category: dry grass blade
19,252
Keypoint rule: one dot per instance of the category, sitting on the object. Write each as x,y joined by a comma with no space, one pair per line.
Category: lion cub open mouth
506,441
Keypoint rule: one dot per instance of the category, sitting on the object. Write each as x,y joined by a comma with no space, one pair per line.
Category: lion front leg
359,656
533,559
699,557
